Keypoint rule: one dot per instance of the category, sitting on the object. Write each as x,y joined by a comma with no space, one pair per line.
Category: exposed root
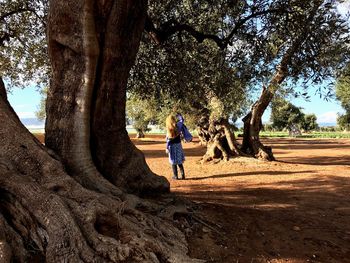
72,226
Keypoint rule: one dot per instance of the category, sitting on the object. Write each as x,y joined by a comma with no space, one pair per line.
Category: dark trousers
182,171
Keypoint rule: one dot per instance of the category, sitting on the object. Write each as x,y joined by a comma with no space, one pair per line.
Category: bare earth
296,209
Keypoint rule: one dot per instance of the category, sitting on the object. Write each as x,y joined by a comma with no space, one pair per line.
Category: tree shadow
305,142
189,152
301,220
144,142
269,173
318,160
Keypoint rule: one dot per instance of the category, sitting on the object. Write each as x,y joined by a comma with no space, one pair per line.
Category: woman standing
173,145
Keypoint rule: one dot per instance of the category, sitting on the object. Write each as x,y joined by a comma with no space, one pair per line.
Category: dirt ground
296,209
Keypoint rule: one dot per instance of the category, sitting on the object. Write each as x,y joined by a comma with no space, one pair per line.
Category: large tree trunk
47,216
92,46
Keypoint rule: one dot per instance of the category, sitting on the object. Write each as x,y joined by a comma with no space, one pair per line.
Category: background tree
41,110
307,43
284,115
309,122
270,41
343,95
140,114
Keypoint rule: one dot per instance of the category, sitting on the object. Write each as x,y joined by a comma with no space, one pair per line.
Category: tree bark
47,216
92,46
219,139
252,125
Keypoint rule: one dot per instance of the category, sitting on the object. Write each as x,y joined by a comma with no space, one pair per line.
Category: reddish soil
296,209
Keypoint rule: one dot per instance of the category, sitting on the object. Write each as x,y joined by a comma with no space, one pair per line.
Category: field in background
315,134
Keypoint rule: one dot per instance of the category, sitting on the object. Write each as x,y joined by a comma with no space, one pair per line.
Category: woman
173,145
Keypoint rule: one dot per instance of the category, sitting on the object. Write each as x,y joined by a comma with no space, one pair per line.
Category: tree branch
5,36
165,31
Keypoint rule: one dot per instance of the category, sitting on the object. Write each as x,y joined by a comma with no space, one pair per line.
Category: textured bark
252,125
219,138
92,46
47,216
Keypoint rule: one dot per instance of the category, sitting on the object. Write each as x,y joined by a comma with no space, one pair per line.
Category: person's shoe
175,177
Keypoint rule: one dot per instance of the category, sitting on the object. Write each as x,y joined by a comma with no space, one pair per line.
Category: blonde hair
171,126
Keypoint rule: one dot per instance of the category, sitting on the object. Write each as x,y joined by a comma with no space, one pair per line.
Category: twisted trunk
139,134
219,139
252,125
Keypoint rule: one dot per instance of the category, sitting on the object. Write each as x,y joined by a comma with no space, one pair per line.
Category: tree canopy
23,47
343,95
226,50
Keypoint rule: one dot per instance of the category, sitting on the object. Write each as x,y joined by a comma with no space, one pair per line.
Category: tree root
76,224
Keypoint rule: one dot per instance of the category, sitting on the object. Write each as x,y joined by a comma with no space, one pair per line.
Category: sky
26,101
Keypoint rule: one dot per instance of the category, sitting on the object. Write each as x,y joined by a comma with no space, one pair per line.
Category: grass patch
315,134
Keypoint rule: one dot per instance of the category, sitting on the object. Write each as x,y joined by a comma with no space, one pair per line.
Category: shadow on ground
299,221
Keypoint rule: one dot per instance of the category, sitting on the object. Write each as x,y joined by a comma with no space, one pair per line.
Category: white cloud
344,8
329,117
26,114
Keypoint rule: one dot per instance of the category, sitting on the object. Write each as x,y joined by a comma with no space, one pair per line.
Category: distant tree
343,95
285,115
140,113
309,122
268,127
260,42
343,121
40,112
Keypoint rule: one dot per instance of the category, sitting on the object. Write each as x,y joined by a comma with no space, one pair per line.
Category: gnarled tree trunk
252,125
47,216
92,46
219,139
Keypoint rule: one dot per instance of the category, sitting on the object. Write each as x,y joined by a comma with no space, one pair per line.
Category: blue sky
326,111
24,101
